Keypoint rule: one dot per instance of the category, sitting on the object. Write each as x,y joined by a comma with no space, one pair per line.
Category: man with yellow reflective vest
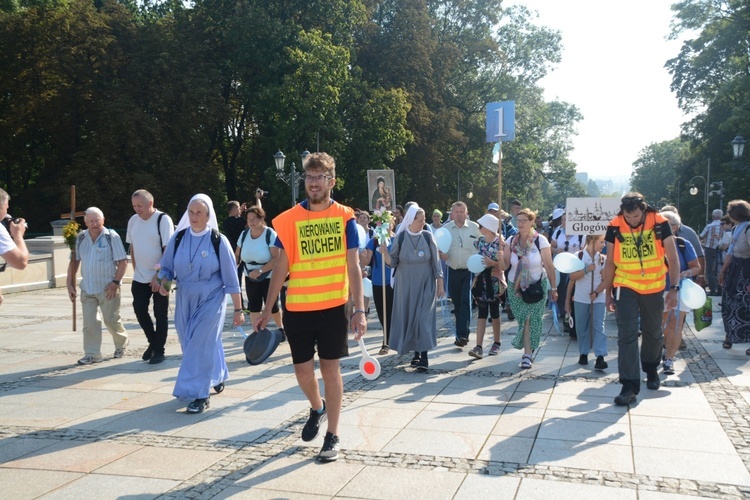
319,248
638,240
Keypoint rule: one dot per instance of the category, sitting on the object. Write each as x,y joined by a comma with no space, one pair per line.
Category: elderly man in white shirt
101,256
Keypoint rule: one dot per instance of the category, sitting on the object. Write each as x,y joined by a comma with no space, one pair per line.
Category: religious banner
381,185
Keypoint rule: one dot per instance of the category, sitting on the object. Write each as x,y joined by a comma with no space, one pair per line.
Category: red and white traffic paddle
369,367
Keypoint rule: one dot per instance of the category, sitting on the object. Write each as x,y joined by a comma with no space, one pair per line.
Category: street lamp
738,147
708,191
469,193
293,177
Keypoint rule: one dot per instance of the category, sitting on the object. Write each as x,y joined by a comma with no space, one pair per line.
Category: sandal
526,361
726,344
383,350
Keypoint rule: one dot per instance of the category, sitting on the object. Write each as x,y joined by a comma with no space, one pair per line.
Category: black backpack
215,241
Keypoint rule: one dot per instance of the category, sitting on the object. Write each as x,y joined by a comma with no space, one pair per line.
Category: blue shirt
685,256
377,264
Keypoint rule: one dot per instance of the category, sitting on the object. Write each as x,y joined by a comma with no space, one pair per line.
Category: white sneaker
121,351
89,359
668,366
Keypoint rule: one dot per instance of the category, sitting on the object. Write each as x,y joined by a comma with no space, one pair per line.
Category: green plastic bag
703,315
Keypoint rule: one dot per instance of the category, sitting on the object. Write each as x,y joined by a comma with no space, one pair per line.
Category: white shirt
147,248
583,285
536,266
574,242
6,242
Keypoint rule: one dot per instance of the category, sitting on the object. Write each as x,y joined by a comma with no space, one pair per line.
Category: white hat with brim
490,222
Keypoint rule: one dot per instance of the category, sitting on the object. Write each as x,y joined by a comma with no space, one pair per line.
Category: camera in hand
7,220
259,193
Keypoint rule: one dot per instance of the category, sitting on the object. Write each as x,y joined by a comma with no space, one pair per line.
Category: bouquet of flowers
70,233
382,220
167,284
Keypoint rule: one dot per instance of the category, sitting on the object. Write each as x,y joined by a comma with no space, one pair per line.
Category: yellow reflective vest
639,255
315,245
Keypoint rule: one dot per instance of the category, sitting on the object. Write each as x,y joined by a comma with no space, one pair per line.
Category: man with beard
319,247
638,239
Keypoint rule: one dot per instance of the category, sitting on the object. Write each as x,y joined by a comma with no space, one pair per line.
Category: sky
612,69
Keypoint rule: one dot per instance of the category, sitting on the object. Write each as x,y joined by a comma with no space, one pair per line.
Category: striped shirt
98,259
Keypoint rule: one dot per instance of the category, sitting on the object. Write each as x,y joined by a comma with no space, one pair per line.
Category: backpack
244,234
215,241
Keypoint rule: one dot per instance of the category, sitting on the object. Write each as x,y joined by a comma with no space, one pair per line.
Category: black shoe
573,335
147,353
156,358
625,397
330,450
311,428
415,359
600,363
423,364
461,341
583,359
653,381
283,335
198,405
219,388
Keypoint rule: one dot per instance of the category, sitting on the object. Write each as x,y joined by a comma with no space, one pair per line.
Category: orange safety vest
645,273
315,245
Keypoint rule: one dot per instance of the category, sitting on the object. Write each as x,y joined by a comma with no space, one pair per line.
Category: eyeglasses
522,220
317,178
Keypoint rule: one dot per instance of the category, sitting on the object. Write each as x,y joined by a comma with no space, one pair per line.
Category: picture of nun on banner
382,188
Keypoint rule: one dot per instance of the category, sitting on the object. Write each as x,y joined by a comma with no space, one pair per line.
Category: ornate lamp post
293,177
469,193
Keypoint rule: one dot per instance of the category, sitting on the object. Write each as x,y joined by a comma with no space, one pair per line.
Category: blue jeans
583,327
459,286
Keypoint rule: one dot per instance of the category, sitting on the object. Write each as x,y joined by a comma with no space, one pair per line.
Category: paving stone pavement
466,429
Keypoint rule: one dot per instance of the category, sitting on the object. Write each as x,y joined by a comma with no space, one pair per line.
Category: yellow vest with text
646,274
315,245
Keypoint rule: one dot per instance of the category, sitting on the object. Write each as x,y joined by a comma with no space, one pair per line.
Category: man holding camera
12,246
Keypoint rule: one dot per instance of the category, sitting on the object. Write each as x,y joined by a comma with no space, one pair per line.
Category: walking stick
73,252
591,313
385,303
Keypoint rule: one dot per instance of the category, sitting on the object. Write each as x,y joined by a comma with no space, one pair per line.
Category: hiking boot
583,359
311,428
476,352
668,367
652,380
626,396
600,363
330,450
495,349
89,359
198,406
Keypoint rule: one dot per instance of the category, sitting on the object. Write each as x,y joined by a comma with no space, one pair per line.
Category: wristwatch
675,287
116,282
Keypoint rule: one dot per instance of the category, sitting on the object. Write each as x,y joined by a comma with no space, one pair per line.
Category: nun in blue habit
204,275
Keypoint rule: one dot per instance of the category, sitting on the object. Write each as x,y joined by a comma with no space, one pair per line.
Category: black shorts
328,329
257,291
